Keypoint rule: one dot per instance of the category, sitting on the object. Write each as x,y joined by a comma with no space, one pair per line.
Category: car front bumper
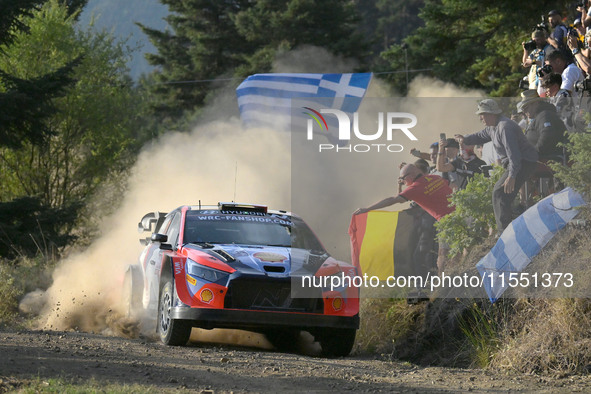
260,320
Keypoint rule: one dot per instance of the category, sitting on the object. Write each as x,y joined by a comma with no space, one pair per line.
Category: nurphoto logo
402,121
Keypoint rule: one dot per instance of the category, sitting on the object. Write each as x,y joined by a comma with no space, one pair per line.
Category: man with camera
518,157
463,166
534,54
558,62
558,36
580,52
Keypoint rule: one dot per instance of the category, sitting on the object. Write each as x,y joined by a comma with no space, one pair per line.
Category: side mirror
165,246
159,238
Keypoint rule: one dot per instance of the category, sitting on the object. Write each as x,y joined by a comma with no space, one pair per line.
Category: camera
529,45
486,170
584,85
542,25
572,32
546,69
524,83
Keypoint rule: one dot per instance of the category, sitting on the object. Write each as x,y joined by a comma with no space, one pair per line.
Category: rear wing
150,222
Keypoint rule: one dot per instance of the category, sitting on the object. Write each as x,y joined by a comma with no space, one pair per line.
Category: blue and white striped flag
525,237
265,100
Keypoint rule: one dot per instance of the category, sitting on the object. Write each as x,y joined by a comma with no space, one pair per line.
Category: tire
284,340
172,332
337,342
131,297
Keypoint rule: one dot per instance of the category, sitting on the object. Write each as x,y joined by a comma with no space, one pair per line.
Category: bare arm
419,154
582,61
525,60
553,42
386,202
585,18
442,166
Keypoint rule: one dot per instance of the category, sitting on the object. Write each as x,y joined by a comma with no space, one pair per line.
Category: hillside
120,18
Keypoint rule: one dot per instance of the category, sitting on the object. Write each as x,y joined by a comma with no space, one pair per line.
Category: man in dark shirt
558,37
517,155
464,166
546,130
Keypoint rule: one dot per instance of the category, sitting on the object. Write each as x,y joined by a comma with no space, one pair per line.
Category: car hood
275,261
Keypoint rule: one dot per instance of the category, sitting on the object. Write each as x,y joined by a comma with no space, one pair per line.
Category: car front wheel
131,298
337,342
173,332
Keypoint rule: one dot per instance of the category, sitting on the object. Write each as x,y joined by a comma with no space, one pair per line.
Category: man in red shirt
430,192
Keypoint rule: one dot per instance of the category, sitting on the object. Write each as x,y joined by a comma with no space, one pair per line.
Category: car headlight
209,274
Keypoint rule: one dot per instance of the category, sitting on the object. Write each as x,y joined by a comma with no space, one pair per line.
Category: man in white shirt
569,72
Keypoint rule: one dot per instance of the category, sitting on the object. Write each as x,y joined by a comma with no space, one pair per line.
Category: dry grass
553,335
550,336
537,333
385,323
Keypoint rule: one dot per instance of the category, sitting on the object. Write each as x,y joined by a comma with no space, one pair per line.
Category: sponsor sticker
270,257
191,280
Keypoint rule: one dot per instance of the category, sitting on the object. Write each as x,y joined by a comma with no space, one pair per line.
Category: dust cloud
219,161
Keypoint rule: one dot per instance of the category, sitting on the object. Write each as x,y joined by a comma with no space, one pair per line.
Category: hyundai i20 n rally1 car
241,266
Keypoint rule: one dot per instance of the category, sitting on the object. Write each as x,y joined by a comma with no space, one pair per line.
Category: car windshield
250,229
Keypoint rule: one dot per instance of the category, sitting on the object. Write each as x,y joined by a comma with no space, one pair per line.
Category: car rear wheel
337,342
172,332
131,297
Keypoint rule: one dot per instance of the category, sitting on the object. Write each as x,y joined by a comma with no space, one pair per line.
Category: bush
9,295
20,277
470,222
578,175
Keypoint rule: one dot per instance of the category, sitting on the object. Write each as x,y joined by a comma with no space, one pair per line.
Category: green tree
25,103
202,45
272,25
473,43
210,39
90,133
473,216
11,23
578,173
387,22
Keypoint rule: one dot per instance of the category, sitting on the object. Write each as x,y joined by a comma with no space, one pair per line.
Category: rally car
241,266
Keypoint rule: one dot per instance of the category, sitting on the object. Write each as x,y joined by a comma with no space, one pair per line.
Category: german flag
383,242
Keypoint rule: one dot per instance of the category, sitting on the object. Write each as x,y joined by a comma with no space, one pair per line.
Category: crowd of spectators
558,60
559,49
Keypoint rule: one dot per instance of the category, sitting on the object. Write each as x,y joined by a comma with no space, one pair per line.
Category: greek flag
265,100
525,237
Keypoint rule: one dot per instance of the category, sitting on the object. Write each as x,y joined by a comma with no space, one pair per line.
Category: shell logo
337,303
206,295
269,257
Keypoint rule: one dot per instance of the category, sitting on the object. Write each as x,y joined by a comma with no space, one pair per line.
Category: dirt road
224,368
